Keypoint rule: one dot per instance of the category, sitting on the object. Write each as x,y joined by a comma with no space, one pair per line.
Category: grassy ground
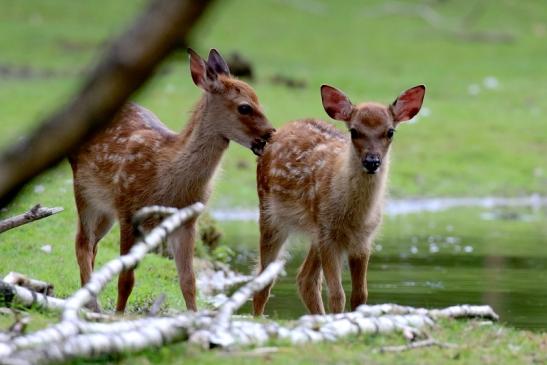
474,342
494,142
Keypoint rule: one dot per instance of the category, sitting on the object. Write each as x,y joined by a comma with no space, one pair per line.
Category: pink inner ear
408,104
336,103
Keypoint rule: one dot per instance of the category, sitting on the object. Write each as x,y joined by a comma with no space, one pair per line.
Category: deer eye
245,109
390,133
354,133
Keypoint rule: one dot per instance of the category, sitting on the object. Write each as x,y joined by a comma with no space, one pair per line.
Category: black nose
371,162
268,135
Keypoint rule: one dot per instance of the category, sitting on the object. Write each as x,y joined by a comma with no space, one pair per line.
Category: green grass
493,143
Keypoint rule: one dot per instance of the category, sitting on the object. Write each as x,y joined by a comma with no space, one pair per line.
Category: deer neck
361,188
198,152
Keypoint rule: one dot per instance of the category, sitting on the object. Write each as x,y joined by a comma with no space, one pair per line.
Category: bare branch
125,67
37,212
417,345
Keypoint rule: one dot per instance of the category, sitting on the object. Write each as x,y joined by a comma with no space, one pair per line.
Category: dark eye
354,133
245,109
390,133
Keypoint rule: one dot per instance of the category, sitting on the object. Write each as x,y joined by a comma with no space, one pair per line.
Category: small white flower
414,250
433,248
38,189
46,248
468,249
490,82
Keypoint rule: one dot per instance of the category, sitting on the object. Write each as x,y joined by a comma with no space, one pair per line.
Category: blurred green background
482,131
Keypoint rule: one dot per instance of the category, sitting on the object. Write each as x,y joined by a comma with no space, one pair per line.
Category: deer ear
336,103
203,75
217,63
408,104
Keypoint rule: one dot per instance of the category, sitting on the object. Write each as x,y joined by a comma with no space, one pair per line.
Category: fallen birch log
219,333
38,286
74,338
15,295
71,323
35,213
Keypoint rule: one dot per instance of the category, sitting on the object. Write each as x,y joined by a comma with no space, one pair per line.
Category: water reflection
442,259
513,286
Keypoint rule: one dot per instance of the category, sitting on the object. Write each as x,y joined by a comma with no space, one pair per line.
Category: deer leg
358,263
271,242
92,226
126,281
309,281
104,223
331,261
182,245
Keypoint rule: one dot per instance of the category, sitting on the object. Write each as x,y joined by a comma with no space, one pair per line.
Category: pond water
494,255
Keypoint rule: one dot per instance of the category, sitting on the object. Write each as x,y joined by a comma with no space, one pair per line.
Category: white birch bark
71,323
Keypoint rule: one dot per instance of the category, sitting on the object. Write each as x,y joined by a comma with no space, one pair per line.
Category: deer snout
258,144
268,135
372,162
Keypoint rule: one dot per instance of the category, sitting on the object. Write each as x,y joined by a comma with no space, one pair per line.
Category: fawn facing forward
313,178
137,162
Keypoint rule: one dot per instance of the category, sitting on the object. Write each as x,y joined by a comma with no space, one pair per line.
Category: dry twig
417,345
37,212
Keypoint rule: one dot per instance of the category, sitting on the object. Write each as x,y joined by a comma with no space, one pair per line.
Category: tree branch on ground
35,213
418,345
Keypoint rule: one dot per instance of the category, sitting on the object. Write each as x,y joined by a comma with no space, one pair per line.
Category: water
494,255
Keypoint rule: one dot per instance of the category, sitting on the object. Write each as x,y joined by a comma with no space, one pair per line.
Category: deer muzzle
371,162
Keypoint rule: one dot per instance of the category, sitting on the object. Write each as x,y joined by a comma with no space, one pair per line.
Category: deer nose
371,162
268,135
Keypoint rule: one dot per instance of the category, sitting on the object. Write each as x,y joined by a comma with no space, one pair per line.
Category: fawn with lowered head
314,179
137,162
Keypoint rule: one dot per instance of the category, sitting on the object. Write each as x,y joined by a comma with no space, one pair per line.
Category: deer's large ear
336,103
217,63
204,76
408,104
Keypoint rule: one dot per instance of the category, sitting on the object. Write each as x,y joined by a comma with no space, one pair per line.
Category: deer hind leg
331,261
309,281
182,243
92,227
272,238
126,281
358,263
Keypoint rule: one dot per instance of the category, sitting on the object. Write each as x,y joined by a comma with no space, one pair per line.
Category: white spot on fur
319,164
321,147
118,176
137,138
